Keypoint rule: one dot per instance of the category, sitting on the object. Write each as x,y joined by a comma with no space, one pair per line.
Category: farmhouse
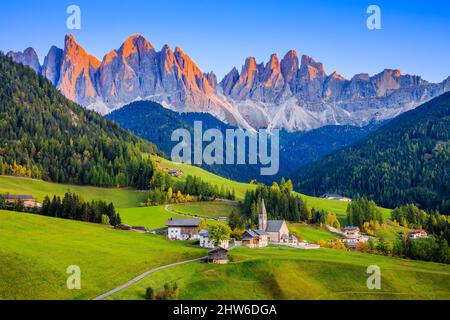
353,236
293,240
176,173
182,229
206,242
352,242
27,200
276,229
351,232
417,234
126,227
218,255
333,196
255,238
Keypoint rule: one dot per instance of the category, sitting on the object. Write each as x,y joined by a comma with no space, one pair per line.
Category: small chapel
277,229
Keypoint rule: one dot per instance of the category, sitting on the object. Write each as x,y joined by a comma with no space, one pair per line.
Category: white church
277,229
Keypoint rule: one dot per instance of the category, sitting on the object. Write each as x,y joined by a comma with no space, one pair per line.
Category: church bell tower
262,216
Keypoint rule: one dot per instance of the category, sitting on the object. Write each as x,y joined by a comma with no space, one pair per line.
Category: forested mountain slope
155,123
44,135
405,161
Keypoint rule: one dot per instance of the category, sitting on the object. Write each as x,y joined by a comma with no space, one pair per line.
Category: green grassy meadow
122,198
310,233
285,273
336,206
210,209
151,217
35,252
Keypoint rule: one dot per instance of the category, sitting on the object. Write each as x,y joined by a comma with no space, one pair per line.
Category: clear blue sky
220,34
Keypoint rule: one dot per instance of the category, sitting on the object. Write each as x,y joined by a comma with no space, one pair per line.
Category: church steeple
262,216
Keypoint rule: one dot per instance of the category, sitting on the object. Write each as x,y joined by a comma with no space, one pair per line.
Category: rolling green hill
208,209
284,273
405,161
120,197
151,217
36,251
207,176
310,233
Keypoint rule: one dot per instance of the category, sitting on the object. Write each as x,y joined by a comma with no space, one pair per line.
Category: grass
210,209
336,206
150,217
35,252
121,198
284,273
238,187
310,233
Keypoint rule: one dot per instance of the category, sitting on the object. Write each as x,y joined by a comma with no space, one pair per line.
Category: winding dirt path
132,281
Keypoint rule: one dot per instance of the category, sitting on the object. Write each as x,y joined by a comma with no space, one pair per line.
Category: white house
332,196
417,234
351,232
293,240
182,229
206,242
352,242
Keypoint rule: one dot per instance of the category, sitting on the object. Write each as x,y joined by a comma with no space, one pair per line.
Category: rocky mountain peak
274,62
229,81
135,45
337,76
386,81
28,57
290,65
212,79
77,72
52,64
310,69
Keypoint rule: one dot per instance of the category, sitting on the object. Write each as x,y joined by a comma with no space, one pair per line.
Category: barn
218,255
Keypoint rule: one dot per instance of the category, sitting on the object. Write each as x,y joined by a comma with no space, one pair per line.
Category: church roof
260,232
274,225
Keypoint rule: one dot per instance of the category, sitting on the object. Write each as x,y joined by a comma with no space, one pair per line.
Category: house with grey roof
182,229
255,238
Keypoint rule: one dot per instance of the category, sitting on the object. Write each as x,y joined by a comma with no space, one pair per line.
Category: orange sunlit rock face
77,67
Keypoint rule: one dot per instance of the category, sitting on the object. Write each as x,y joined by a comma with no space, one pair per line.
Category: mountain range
294,93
